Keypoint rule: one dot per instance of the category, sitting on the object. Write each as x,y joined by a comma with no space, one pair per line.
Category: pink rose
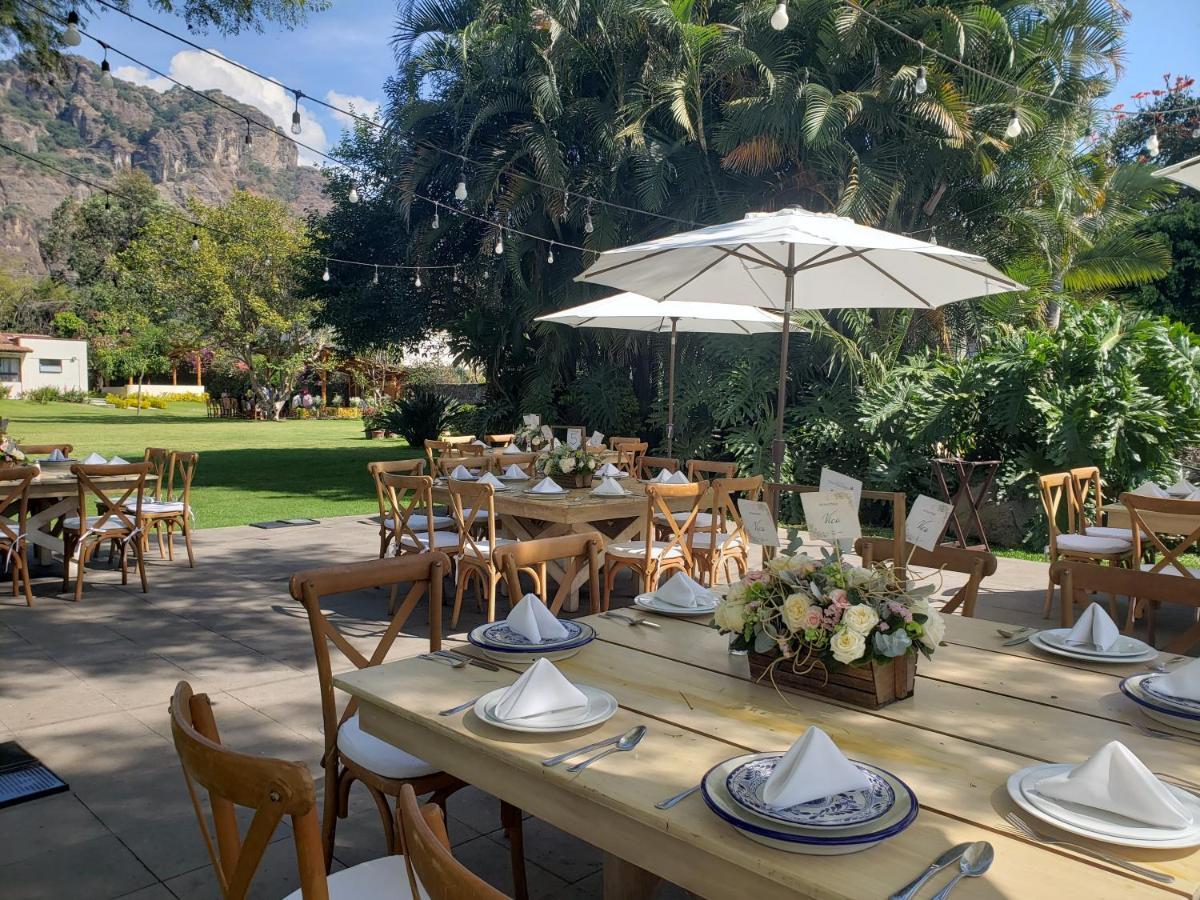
756,577
839,597
813,616
883,626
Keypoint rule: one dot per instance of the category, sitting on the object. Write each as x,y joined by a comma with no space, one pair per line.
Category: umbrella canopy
1186,172
633,312
796,258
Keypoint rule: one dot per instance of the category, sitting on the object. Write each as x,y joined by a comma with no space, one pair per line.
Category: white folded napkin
1184,487
1094,629
489,478
542,689
515,471
1114,780
548,486
684,591
478,443
118,461
57,455
1149,489
665,477
95,459
608,470
813,768
1184,682
1194,495
608,487
512,448
462,473
533,621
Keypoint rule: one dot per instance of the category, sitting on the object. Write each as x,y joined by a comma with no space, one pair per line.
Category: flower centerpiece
570,468
530,437
827,626
10,453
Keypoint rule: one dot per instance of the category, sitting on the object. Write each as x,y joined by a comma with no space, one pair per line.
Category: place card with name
831,516
926,522
759,523
836,481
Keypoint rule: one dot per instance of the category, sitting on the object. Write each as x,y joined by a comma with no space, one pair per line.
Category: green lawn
248,471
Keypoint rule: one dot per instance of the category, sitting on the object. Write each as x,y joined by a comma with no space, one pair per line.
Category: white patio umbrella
1186,172
765,259
633,312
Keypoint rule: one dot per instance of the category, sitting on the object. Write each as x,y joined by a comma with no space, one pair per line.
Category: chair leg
1049,605
80,565
170,526
510,820
186,528
463,574
329,815
492,577
385,815
28,586
610,575
141,566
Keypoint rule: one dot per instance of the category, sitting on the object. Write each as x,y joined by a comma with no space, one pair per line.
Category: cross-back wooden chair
435,450
116,522
1059,502
722,539
650,557
1148,544
432,868
350,753
614,443
474,510
413,523
388,523
39,449
975,564
578,550
704,469
14,510
273,789
499,440
629,456
173,505
650,466
478,464
160,466
461,441
525,460
1089,500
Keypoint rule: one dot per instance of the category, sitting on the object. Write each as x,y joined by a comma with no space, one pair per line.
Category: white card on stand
532,420
831,516
574,438
597,439
759,523
547,434
926,522
836,481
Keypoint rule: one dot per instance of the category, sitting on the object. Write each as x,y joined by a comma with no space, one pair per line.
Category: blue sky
346,50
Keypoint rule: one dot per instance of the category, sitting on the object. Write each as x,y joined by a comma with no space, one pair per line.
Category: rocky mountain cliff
188,146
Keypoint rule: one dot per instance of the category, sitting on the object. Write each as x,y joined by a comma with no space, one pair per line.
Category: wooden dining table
1116,515
980,712
60,486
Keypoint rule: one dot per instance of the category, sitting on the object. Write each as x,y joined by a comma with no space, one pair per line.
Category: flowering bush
564,461
809,611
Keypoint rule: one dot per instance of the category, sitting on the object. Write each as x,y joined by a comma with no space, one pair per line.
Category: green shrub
43,395
422,415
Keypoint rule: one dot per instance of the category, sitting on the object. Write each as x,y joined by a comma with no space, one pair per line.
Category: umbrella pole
671,390
781,397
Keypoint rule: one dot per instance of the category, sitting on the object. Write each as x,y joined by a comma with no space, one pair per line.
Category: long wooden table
980,712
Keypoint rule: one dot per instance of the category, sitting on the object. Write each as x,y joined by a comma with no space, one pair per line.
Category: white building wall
71,353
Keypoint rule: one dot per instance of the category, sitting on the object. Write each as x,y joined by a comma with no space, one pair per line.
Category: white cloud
359,105
204,72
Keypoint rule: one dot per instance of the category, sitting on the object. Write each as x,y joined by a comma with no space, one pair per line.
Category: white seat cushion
154,506
483,549
386,876
418,522
1084,543
71,523
637,550
1120,534
1170,569
379,756
703,520
440,539
704,540
481,516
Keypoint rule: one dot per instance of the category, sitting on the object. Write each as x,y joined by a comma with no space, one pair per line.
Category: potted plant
569,468
826,626
372,419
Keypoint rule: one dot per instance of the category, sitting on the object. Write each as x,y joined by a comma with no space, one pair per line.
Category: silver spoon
628,741
682,795
974,863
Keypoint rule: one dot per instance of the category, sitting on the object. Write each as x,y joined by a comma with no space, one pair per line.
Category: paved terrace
85,688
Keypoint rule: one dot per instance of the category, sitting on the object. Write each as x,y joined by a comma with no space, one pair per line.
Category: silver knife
1020,639
949,857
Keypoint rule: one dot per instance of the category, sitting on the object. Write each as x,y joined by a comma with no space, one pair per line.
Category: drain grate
24,777
284,523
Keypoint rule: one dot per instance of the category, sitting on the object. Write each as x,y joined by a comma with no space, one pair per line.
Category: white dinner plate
513,477
1149,687
539,495
1122,647
525,659
652,603
1036,640
601,707
1092,823
1154,708
623,496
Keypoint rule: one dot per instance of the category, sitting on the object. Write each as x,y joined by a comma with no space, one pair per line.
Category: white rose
861,618
847,645
591,463
730,615
567,464
919,606
857,576
794,608
935,629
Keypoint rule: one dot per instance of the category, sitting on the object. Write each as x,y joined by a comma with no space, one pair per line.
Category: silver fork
1026,830
629,620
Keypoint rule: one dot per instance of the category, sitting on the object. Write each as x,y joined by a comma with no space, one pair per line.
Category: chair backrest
776,493
658,498
407,496
629,456
726,517
579,550
427,855
162,467
458,440
435,450
38,449
524,460
447,464
391,467
113,512
649,466
473,504
703,468
423,572
1170,562
273,788
180,472
614,443
1079,579
1089,494
976,564
14,492
1058,496
499,440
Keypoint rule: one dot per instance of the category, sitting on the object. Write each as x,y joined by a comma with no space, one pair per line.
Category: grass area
248,471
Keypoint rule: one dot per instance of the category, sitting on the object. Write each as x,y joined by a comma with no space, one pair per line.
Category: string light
249,136
550,255
588,226
500,243
71,36
460,189
195,241
779,18
106,79
436,223
455,278
1152,147
375,280
417,280
1196,132
352,197
1014,126
296,114
933,235
325,276
921,85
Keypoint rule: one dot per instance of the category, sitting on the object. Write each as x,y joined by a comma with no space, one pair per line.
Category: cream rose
730,615
847,645
861,618
857,576
567,464
794,608
935,629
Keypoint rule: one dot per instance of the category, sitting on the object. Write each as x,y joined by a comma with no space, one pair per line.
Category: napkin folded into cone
496,483
1182,488
57,455
1149,489
512,449
533,621
542,689
665,477
95,459
812,769
684,591
118,461
462,473
1184,682
515,471
1094,630
608,470
608,487
548,486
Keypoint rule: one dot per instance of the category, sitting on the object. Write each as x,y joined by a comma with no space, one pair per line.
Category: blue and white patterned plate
745,786
1149,685
498,636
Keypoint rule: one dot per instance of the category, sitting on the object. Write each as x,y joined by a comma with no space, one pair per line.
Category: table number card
836,481
759,523
831,515
926,522
532,420
574,438
548,434
597,439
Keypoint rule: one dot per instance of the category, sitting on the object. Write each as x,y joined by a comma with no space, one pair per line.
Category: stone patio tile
46,824
48,699
154,892
294,702
152,793
276,877
176,846
490,860
559,853
104,745
98,869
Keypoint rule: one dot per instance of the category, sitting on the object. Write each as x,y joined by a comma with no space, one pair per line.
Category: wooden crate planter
574,480
870,686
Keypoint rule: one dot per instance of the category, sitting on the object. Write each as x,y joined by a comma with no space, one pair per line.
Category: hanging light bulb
1196,131
779,18
417,280
460,189
550,255
487,276
269,260
436,223
375,280
933,235
249,136
296,129
195,241
1152,144
500,244
353,195
106,79
71,36
1014,126
922,84
455,278
325,277
588,226
107,201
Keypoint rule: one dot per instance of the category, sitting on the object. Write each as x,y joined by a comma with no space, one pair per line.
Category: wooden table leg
37,525
625,881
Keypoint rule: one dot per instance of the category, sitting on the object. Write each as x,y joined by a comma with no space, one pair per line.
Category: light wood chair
415,528
629,456
172,505
698,469
39,449
1089,500
388,522
614,443
350,753
975,564
499,440
116,523
272,788
648,557
1148,544
579,550
478,464
432,868
474,510
650,466
502,461
435,450
14,510
723,539
1058,495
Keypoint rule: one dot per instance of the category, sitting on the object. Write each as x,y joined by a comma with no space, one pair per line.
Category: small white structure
31,361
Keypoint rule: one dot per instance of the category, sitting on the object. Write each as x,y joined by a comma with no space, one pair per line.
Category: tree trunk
141,378
1054,307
